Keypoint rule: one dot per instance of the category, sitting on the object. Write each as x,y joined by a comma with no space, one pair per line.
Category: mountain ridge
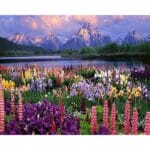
86,36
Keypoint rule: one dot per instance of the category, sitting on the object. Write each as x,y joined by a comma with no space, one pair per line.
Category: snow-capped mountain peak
50,36
87,35
49,41
134,37
37,40
20,39
84,33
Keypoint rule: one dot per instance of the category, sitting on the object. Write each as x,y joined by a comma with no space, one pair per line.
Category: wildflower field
74,100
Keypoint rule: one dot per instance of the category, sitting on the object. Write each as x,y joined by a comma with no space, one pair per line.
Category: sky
65,26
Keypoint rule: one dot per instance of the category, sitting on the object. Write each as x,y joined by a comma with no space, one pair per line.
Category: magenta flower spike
127,118
20,107
113,120
147,124
94,120
2,109
134,127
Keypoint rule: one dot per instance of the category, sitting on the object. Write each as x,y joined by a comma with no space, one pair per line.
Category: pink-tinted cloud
48,23
34,25
51,21
66,25
29,22
86,19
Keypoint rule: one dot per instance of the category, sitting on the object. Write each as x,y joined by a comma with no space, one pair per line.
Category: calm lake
52,61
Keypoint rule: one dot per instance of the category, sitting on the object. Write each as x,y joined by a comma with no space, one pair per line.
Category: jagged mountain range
49,41
86,36
9,47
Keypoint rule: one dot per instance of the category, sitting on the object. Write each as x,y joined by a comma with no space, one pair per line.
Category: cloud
29,21
34,25
45,23
66,25
85,19
57,24
115,19
51,21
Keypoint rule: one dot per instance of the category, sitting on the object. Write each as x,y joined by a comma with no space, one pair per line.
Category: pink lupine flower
134,122
20,107
127,118
94,120
147,124
2,109
113,120
105,114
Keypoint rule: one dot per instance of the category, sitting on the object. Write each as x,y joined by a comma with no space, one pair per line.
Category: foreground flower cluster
43,118
74,100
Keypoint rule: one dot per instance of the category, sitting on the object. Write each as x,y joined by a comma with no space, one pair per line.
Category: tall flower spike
12,101
20,107
105,114
134,122
127,118
113,120
147,124
94,120
2,109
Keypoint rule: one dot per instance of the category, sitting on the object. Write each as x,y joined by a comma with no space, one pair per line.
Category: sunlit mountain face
60,32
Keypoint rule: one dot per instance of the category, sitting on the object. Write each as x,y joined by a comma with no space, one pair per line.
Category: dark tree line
112,48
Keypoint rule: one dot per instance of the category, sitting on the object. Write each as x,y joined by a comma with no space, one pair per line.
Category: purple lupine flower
103,130
38,118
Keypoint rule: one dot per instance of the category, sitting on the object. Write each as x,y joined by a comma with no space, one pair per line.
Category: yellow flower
139,89
8,85
113,92
135,92
129,97
24,88
121,93
128,90
123,78
27,74
138,92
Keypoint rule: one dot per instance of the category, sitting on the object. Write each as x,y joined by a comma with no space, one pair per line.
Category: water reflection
54,63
